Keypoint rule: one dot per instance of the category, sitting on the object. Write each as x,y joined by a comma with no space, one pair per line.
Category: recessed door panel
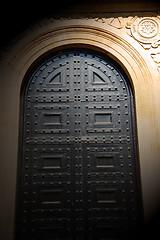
78,174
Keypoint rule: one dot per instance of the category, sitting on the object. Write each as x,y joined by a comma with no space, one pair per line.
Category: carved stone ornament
156,58
145,30
116,23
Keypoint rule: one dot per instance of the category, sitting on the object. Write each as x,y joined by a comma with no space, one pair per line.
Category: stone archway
36,45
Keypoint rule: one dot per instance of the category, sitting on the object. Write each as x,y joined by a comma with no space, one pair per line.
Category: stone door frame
34,46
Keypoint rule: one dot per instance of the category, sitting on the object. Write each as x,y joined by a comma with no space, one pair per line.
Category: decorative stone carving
103,20
116,23
156,58
146,30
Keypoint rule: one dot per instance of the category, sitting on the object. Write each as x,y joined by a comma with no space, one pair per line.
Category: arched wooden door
78,167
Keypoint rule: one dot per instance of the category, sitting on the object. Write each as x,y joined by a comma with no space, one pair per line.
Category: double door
78,163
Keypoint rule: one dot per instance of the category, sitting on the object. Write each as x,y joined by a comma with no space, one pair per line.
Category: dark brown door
78,166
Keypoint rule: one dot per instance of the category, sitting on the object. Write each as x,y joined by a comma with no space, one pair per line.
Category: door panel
78,175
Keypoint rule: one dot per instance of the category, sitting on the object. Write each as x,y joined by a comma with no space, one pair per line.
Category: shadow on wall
20,17
151,229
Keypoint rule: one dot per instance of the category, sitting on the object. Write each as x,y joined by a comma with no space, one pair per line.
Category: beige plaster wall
129,41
